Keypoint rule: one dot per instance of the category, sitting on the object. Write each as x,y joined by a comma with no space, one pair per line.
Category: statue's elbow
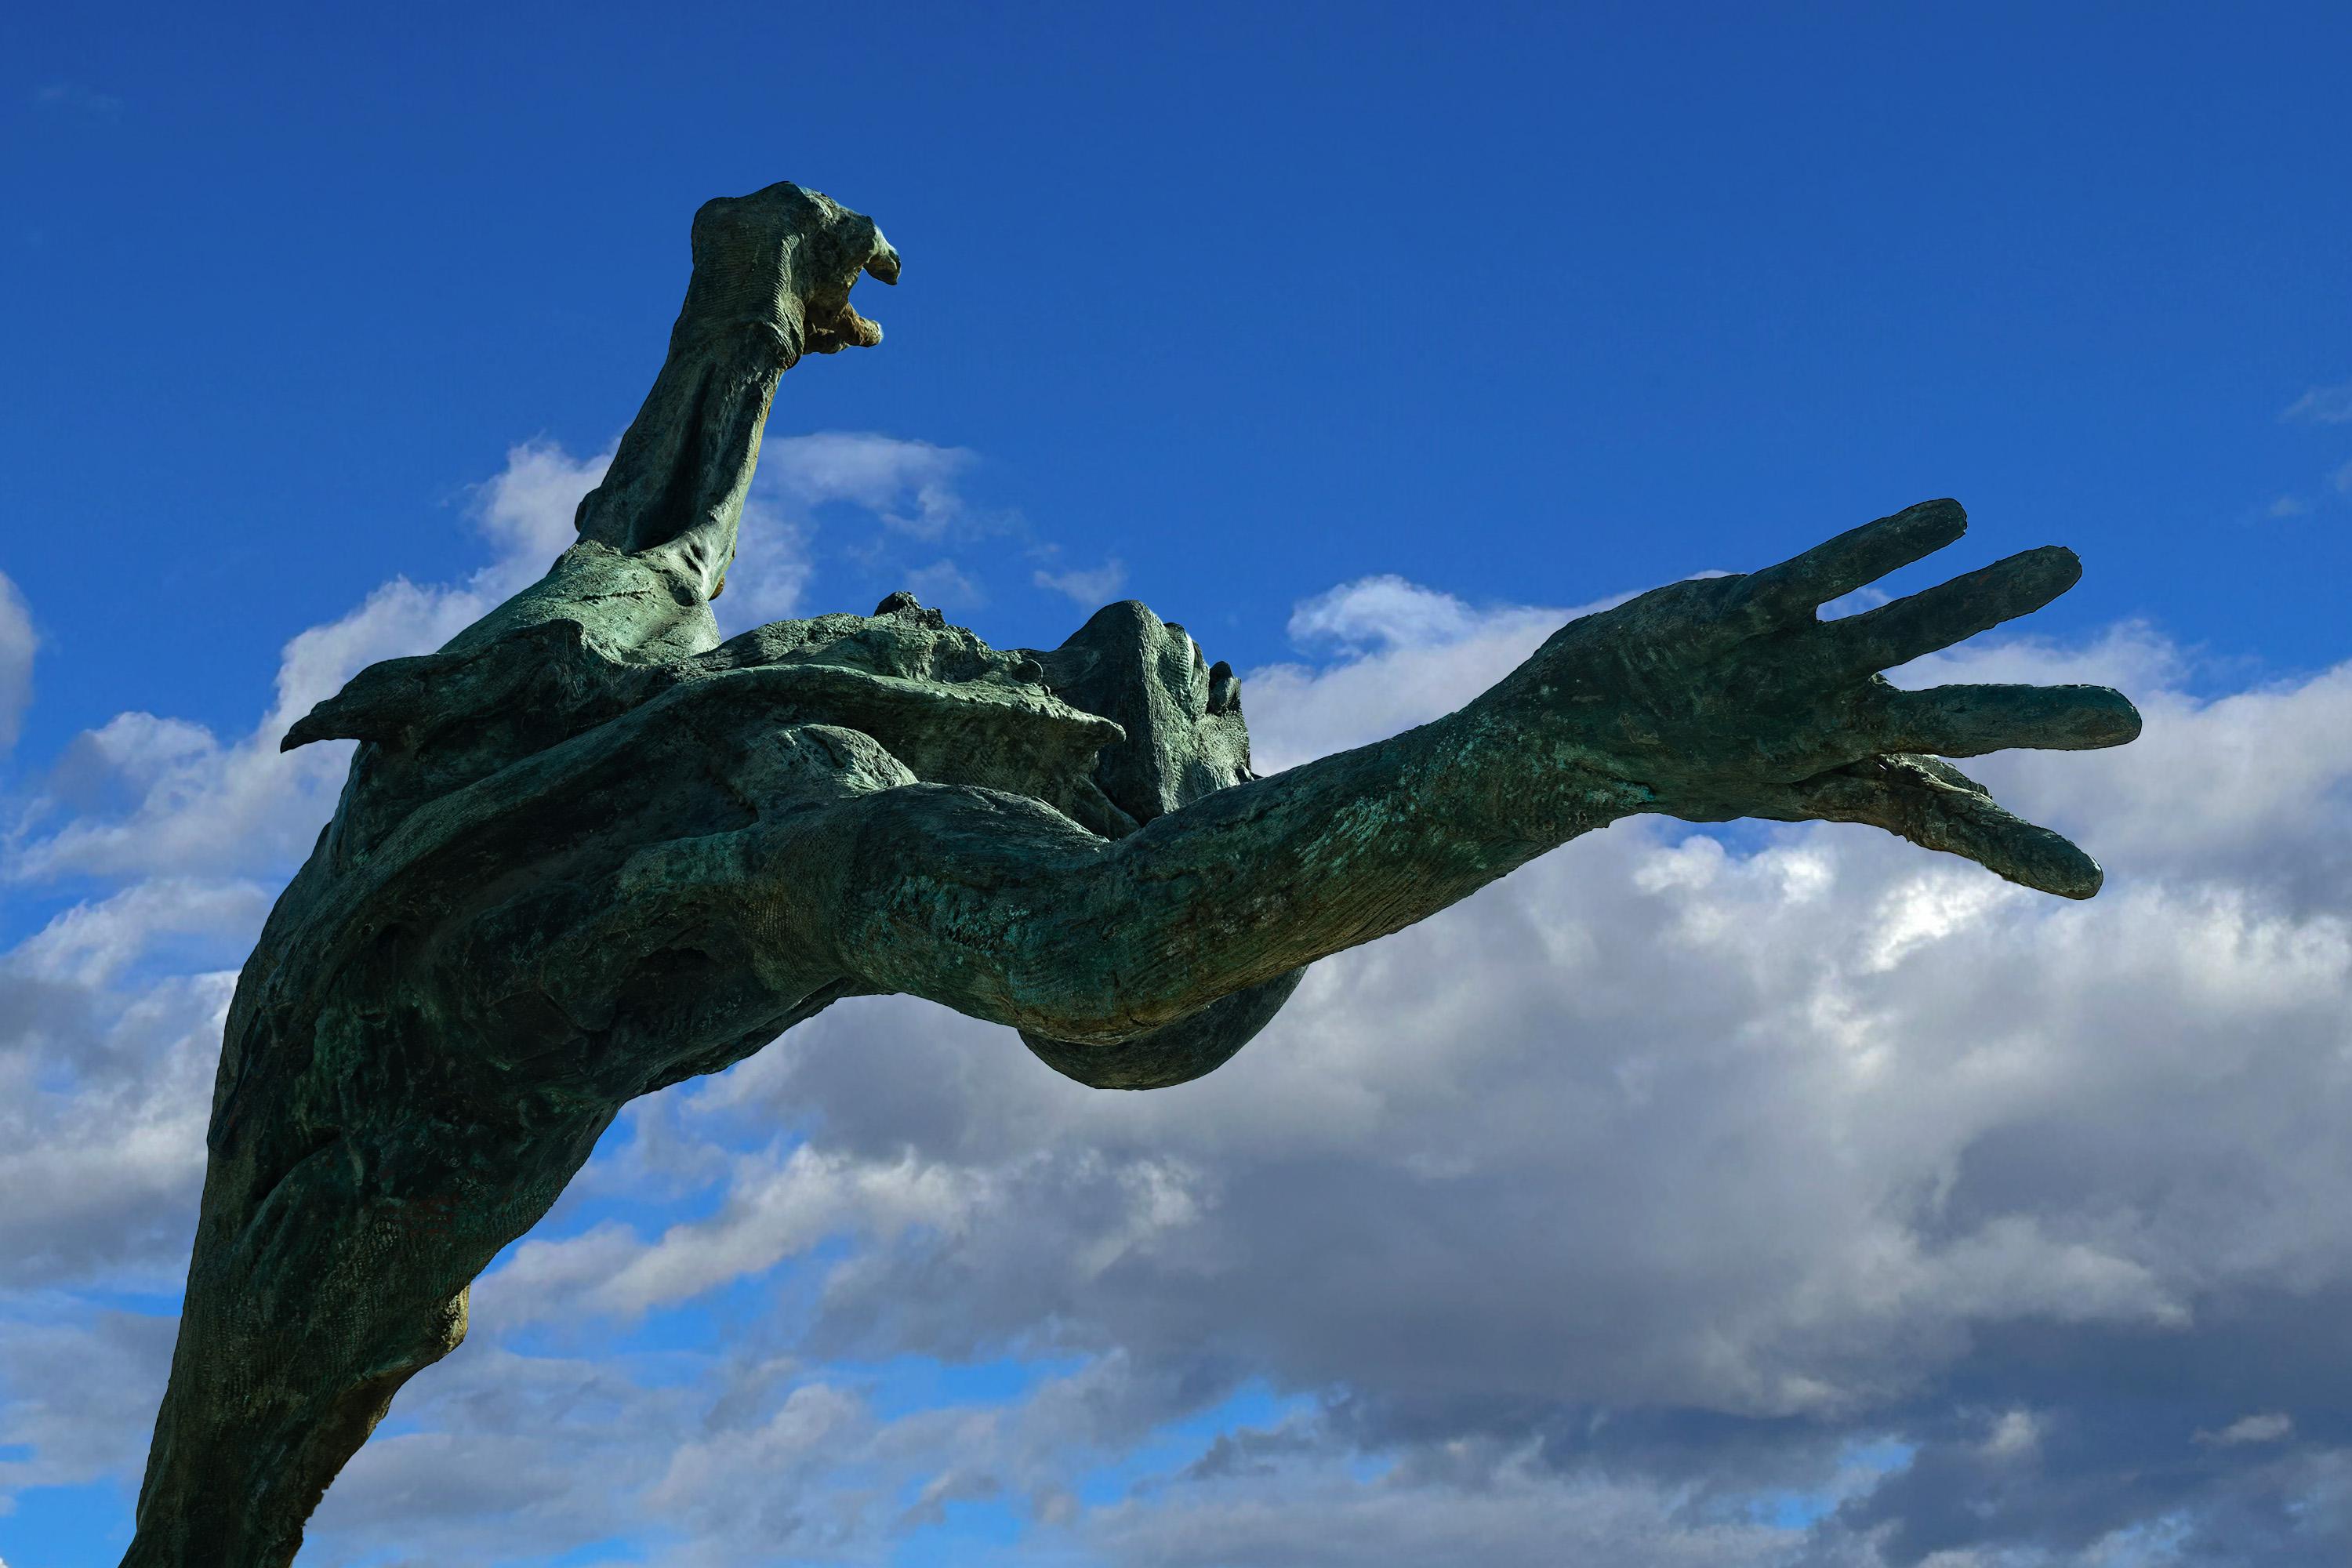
1192,1046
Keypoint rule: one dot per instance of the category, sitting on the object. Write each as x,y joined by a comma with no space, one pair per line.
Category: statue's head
1031,721
1182,715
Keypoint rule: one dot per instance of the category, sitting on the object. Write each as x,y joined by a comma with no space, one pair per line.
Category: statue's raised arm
588,851
773,272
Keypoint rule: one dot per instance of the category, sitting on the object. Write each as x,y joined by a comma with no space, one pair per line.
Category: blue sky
1353,338
1512,301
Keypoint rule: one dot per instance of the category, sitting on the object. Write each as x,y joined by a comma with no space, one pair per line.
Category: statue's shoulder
1120,724
948,707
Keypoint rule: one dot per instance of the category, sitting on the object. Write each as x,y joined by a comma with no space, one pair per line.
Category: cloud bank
1776,1197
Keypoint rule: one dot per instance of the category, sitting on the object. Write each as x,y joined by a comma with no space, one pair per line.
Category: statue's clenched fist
786,258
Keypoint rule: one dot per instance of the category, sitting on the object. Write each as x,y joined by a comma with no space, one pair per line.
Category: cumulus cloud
777,1205
526,510
1782,1196
156,796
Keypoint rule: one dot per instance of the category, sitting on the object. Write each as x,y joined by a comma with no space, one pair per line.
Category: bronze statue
588,849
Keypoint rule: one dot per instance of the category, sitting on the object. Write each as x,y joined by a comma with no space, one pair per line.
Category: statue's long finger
1936,806
1796,587
1951,612
1970,721
2008,846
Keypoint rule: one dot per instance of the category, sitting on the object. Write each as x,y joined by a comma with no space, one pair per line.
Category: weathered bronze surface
588,849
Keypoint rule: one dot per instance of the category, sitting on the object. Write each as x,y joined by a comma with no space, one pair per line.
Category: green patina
588,849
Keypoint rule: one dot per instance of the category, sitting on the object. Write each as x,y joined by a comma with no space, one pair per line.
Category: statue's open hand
1730,697
788,257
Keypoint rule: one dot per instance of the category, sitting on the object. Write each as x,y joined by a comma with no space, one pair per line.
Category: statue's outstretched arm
1706,700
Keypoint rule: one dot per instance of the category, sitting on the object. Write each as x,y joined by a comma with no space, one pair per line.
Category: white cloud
1407,655
907,485
106,1075
1298,710
2265,1428
1091,587
2016,1434
199,804
92,944
776,1207
80,1393
2322,405
1380,613
907,488
772,567
945,584
527,509
17,643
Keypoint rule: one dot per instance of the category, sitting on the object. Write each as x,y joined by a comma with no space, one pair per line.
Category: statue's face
1183,717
